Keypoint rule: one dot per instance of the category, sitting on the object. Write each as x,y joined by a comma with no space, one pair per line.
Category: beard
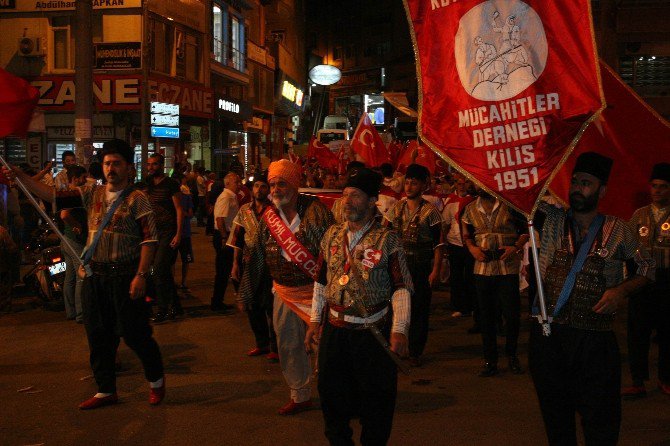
354,214
282,201
582,203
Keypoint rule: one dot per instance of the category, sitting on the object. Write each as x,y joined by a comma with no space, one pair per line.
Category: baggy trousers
420,309
649,310
295,362
461,264
356,378
72,284
577,371
110,314
493,291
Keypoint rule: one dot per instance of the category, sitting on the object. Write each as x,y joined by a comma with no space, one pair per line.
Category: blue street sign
164,132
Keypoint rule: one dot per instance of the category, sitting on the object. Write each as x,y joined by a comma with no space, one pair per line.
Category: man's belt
341,320
113,269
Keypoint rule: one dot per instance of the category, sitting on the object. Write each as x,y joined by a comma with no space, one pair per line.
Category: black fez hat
262,178
366,180
418,172
661,171
594,164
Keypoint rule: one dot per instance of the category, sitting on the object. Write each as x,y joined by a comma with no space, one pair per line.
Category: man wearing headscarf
649,308
287,248
582,253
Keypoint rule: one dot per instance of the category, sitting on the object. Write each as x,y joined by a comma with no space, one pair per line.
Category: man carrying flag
287,247
578,367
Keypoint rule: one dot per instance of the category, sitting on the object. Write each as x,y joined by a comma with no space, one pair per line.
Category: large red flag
631,133
505,88
368,144
17,101
324,157
424,156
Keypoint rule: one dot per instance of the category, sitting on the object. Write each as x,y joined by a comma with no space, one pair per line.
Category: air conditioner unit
31,46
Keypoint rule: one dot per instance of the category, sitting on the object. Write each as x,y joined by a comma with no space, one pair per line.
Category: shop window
228,37
188,55
62,53
162,38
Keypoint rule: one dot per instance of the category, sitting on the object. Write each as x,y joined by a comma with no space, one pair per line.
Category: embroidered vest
590,284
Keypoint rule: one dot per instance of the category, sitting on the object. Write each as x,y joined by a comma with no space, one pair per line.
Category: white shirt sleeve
401,302
318,302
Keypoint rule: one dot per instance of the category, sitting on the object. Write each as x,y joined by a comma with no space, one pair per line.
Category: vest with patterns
614,244
655,236
371,281
315,219
416,230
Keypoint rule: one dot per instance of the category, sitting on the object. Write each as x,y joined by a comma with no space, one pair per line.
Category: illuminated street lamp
323,75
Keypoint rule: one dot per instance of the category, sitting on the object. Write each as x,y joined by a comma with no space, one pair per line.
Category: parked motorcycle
47,275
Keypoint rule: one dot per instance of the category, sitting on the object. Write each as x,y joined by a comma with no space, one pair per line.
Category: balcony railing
229,56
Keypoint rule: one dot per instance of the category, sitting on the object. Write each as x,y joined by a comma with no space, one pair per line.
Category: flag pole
542,318
50,222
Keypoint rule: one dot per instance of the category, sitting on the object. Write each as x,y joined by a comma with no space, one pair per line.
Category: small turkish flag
17,101
368,144
324,157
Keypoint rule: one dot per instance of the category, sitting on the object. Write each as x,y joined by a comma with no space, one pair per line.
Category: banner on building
506,88
118,55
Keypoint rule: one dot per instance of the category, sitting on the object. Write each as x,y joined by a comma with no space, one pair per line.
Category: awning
399,101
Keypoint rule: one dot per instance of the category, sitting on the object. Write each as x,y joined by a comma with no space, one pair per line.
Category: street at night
218,395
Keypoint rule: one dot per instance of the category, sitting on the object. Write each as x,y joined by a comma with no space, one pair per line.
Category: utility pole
83,79
144,109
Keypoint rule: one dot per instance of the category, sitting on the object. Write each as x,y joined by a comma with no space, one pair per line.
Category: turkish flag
632,134
324,157
395,150
368,144
506,88
424,156
17,100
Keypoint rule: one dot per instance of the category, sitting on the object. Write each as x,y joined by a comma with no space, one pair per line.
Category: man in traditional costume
287,246
578,368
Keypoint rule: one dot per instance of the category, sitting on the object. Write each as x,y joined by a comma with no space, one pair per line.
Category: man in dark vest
578,368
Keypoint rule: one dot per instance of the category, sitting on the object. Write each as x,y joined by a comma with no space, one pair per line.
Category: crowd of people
354,280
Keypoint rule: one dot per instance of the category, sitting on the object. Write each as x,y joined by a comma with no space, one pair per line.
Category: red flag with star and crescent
630,132
368,144
324,157
17,102
506,88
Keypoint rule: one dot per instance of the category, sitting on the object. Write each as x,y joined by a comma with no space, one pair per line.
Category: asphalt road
217,395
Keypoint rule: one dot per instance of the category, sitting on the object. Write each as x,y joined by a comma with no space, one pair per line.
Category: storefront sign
63,5
33,151
234,109
325,74
193,100
118,56
68,133
188,12
111,92
164,132
255,123
292,93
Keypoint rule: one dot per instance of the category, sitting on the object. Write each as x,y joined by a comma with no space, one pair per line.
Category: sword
542,318
68,247
376,333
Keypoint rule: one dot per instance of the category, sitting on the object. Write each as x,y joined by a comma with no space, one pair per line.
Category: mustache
577,194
